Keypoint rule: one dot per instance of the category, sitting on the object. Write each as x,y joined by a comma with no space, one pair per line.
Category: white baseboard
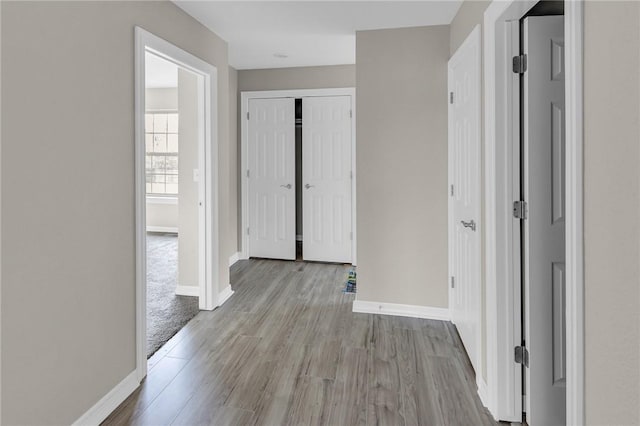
101,410
166,229
188,290
234,258
413,311
483,391
225,294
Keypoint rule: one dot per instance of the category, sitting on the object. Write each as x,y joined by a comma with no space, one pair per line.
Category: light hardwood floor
286,349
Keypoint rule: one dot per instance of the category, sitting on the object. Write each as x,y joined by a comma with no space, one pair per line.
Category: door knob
308,186
471,224
288,186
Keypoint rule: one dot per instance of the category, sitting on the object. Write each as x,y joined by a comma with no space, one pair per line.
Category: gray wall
297,78
470,14
401,82
68,276
611,212
188,215
157,98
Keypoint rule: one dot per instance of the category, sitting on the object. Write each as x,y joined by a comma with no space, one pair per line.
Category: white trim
501,301
151,199
234,258
165,229
225,294
188,290
574,35
101,410
0,221
470,46
504,384
482,389
395,309
244,97
207,75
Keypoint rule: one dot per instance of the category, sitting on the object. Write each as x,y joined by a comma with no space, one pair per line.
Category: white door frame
500,397
471,42
244,156
208,192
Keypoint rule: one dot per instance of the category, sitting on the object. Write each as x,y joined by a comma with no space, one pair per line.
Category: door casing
208,192
244,154
498,391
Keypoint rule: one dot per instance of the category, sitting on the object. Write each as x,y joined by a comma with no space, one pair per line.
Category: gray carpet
166,312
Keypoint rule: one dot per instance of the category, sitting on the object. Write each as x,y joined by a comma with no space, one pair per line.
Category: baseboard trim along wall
166,229
234,258
413,311
188,290
101,410
225,294
482,391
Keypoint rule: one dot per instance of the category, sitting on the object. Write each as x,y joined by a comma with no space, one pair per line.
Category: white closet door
326,178
544,259
272,203
464,194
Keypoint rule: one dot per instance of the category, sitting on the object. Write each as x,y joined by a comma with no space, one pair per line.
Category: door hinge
453,282
351,236
521,355
450,97
520,64
350,113
452,190
248,173
247,115
247,230
520,209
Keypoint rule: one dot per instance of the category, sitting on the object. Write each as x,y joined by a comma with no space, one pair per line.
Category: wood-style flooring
287,350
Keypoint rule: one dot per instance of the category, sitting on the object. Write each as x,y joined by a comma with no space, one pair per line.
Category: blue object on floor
351,282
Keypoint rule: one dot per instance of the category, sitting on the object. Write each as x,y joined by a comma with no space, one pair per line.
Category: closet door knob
308,186
288,186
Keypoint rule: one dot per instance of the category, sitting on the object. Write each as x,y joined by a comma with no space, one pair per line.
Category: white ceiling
159,73
307,32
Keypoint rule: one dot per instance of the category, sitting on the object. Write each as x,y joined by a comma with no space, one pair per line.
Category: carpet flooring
166,312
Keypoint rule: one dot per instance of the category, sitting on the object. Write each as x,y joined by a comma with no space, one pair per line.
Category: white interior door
326,178
272,203
464,193
544,256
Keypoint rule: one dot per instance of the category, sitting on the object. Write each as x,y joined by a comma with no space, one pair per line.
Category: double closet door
326,178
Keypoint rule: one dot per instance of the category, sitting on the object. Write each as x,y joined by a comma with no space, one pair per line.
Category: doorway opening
172,158
533,203
298,180
176,191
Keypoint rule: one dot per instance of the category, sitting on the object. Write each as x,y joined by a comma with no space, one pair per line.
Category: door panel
272,178
464,194
544,228
326,175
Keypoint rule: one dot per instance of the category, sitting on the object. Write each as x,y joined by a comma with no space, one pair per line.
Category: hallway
286,349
